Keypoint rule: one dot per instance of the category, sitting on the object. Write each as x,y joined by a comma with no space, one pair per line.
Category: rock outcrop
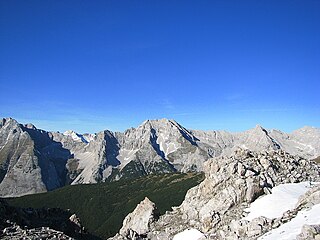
30,161
28,223
15,232
309,232
231,184
137,224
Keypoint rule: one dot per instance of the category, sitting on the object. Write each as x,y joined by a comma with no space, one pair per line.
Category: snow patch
75,136
290,230
89,137
284,197
189,234
165,146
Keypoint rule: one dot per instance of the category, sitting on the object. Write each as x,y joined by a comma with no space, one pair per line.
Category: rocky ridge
33,160
260,226
28,223
309,232
217,206
15,232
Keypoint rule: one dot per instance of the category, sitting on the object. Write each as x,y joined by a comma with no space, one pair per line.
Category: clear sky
217,64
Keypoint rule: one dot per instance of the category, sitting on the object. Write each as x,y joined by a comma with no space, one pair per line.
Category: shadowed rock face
33,160
30,160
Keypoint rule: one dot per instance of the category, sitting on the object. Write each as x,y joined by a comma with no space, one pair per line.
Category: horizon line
25,122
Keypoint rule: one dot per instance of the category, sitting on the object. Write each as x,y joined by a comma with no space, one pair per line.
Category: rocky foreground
21,223
233,202
217,208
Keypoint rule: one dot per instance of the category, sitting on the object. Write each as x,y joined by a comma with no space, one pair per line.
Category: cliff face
33,160
30,160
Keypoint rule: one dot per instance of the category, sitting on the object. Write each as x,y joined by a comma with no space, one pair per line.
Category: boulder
137,224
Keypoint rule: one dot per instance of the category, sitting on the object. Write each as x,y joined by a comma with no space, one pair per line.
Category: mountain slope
33,160
102,207
30,160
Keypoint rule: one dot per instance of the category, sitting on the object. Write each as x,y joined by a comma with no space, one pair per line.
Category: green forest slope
102,207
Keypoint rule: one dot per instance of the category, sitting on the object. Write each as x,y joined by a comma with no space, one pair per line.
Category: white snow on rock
291,229
189,234
89,137
284,197
75,136
166,146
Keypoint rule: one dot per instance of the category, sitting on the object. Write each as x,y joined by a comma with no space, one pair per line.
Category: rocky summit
218,206
34,160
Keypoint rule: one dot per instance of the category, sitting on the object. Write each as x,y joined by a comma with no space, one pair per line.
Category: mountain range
34,160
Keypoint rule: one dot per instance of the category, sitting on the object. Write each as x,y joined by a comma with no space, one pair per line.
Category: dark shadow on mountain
112,149
110,154
52,158
192,139
156,147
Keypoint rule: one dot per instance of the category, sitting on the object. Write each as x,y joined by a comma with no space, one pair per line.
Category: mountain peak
308,128
160,145
257,130
30,126
259,127
9,121
156,123
75,136
158,120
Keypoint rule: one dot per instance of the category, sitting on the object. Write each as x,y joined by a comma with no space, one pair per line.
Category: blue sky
94,65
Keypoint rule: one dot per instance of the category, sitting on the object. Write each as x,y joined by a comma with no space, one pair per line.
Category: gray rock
137,224
309,232
215,206
19,223
33,160
30,161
